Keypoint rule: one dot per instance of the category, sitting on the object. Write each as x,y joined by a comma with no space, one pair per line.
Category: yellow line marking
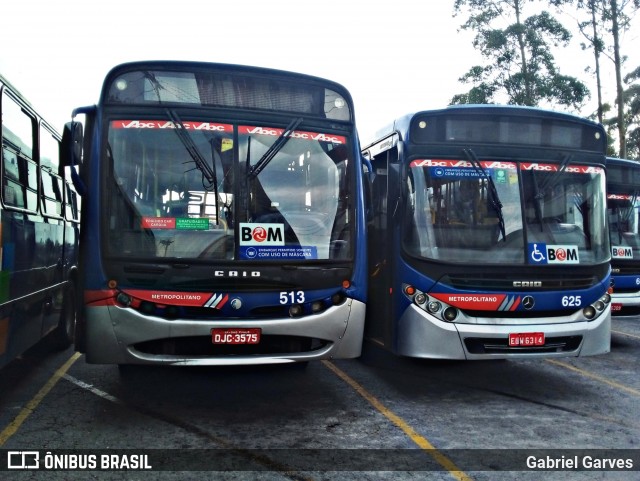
626,334
31,406
601,379
421,441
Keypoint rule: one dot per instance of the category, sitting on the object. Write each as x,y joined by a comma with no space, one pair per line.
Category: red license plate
615,307
235,335
525,339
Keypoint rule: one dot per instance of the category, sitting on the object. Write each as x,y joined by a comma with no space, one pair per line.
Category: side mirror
71,146
367,180
71,153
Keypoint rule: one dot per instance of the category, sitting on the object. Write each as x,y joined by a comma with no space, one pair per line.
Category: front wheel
64,334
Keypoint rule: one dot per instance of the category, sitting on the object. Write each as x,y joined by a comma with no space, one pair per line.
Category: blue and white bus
623,204
39,225
224,219
489,236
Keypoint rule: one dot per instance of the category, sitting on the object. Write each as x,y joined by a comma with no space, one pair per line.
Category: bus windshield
175,183
452,214
623,222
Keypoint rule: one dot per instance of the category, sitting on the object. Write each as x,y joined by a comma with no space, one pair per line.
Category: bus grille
560,314
489,282
490,345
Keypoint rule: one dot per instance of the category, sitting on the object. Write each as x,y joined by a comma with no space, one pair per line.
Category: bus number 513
292,297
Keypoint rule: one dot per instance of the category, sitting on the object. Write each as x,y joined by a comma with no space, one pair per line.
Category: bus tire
64,334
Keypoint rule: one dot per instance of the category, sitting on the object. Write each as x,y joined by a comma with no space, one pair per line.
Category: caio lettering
527,283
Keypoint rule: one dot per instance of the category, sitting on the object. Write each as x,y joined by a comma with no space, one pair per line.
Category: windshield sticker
258,234
158,223
227,144
569,169
620,197
296,134
541,253
192,223
279,253
449,173
179,223
486,164
168,124
457,169
621,252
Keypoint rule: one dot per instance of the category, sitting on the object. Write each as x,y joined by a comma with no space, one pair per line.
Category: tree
591,32
611,17
520,64
619,21
631,99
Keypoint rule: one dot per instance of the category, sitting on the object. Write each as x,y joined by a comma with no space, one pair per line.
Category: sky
395,56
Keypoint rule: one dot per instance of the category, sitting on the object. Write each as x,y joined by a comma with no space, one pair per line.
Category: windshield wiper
552,180
155,84
537,200
209,177
549,182
271,152
623,215
493,191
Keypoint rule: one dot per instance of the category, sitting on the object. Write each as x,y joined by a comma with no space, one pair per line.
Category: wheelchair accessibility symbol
537,253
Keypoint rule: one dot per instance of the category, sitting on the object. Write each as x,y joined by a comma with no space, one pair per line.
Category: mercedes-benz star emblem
528,302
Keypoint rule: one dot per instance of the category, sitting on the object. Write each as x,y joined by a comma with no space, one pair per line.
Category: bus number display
292,297
571,301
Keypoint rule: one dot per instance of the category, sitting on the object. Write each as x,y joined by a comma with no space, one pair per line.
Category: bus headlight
295,310
598,306
450,314
123,299
338,298
434,306
147,307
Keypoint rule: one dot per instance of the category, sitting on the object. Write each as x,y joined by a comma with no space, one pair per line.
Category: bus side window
13,193
52,194
17,152
72,211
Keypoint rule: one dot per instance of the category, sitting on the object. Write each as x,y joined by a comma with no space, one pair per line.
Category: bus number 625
571,301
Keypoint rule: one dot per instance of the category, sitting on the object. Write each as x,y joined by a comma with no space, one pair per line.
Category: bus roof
624,162
402,124
494,130
18,96
222,86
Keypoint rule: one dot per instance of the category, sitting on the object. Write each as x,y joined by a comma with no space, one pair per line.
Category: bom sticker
256,234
